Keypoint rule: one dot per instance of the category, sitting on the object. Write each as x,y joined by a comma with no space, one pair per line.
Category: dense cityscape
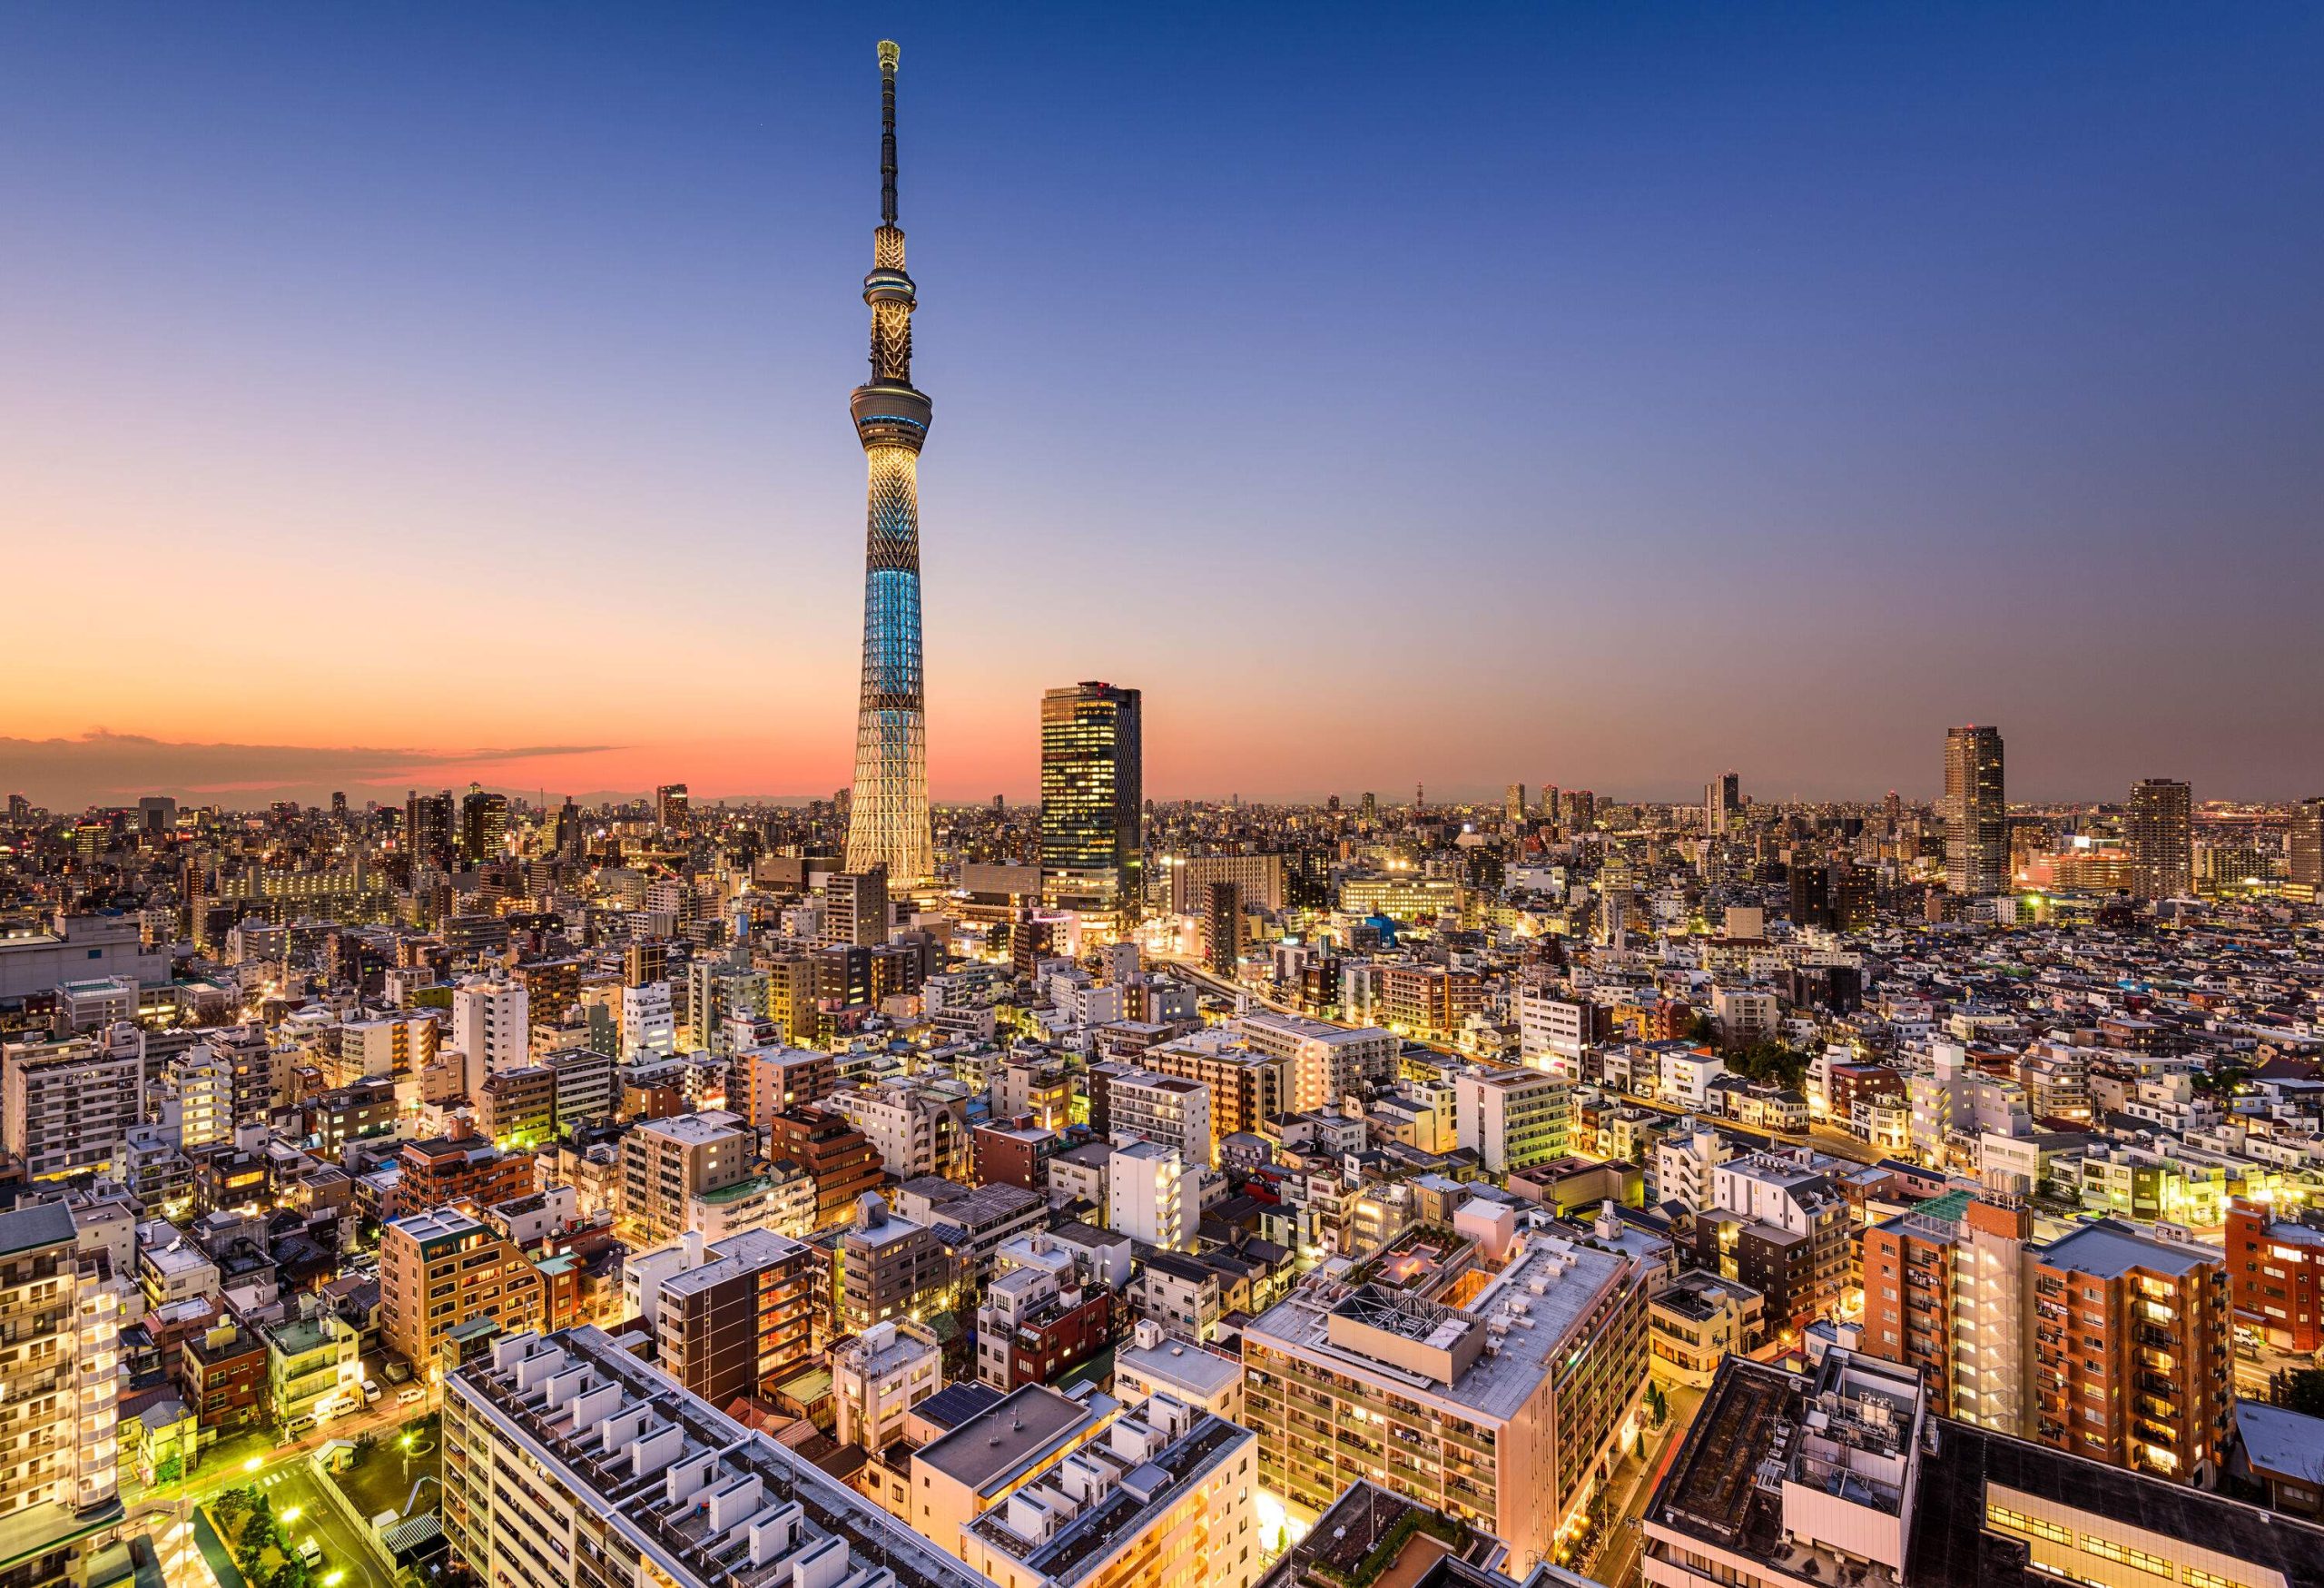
476,1188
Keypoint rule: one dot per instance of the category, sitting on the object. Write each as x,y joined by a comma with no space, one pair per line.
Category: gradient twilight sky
1599,394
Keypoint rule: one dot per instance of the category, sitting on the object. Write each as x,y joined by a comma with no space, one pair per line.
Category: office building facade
1093,793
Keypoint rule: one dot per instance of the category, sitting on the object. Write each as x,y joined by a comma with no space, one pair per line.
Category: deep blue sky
1606,395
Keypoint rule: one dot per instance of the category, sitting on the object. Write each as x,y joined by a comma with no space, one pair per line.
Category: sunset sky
1602,395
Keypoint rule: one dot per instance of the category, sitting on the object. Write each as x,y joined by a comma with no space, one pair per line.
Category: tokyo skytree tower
887,821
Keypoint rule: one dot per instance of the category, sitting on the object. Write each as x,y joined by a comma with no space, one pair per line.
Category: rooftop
703,1499
2286,1443
1182,1365
1951,1548
1098,1498
436,1225
26,1229
882,1349
1015,1433
2109,1249
1527,1313
731,1258
1847,1434
695,1129
955,1404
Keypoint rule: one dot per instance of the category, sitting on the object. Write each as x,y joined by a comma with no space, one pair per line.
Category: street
281,1472
305,1511
1822,1137
1617,1564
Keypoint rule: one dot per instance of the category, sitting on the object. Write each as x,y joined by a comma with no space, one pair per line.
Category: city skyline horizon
20,772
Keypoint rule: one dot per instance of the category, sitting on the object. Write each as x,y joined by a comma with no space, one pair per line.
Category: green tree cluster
249,1516
1770,1061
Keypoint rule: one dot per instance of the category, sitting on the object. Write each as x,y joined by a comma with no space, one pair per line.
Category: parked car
371,1391
311,1553
410,1394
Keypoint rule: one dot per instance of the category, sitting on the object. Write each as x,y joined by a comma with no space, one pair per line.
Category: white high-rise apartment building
570,1464
649,1027
204,1081
399,1045
492,1027
59,1382
665,1162
878,1378
1683,1163
916,1129
67,1107
1152,1195
1144,1107
1551,1030
1504,1409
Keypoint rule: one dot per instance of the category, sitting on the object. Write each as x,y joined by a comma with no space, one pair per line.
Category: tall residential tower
1977,816
888,813
2162,839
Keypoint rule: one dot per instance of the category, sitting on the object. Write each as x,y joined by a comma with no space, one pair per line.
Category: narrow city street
1633,1480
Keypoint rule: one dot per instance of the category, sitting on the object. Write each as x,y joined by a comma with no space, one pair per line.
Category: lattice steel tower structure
887,821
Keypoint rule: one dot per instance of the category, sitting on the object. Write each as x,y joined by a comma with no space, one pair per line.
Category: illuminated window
2124,1555
2010,1521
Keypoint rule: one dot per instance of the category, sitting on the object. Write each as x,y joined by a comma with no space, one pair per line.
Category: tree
2299,1389
1770,1061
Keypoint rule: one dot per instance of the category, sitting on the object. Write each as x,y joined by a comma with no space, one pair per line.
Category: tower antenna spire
888,53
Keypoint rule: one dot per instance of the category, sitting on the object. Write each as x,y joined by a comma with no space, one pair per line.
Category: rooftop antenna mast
887,55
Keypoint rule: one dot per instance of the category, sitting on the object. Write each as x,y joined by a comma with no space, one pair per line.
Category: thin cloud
102,767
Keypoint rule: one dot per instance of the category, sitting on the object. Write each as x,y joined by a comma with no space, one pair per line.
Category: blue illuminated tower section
887,821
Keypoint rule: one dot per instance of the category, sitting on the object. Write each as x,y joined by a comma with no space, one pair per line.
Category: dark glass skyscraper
428,825
886,823
483,825
1976,813
1093,797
